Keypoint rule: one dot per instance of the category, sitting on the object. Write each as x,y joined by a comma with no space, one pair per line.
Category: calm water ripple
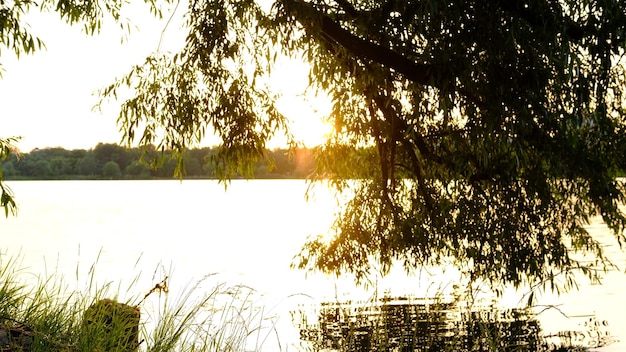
246,235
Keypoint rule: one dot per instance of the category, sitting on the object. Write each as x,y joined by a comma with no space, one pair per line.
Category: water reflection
420,324
248,235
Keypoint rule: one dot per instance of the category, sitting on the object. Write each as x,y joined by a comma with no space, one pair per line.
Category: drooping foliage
498,128
482,133
16,35
215,82
7,148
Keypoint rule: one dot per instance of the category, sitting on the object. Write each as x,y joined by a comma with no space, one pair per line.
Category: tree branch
348,8
338,36
317,23
396,135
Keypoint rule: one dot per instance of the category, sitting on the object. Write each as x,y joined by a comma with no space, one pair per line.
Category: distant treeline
112,161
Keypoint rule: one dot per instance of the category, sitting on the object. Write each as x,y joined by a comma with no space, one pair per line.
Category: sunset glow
307,111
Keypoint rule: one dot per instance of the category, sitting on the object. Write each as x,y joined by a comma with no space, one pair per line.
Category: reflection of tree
428,326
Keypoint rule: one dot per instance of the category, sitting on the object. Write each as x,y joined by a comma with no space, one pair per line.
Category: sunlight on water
133,234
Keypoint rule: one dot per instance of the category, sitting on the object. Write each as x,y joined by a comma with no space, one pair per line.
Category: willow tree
482,133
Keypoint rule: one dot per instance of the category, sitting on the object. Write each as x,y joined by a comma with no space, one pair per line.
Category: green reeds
47,316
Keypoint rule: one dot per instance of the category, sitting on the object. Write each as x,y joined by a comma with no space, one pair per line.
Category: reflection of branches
592,272
549,307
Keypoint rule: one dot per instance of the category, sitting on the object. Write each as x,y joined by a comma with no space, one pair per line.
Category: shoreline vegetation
108,161
228,318
45,315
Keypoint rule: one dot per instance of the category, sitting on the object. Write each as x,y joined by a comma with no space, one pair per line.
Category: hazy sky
47,98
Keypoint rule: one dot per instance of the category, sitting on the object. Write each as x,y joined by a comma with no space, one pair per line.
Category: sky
47,98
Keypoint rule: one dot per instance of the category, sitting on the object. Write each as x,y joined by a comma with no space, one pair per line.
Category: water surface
245,235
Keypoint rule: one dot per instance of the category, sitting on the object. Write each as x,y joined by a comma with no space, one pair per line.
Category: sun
308,113
309,119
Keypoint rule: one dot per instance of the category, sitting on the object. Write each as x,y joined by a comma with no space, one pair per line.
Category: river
247,234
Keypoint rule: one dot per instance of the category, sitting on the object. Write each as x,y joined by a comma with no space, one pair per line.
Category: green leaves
7,147
483,134
213,86
491,161
13,34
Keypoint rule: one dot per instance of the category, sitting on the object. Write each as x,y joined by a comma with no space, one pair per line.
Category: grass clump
47,316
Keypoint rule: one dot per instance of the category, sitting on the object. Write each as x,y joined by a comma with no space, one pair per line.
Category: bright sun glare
308,113
308,119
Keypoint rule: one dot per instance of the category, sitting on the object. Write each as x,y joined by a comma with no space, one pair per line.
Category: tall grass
45,315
